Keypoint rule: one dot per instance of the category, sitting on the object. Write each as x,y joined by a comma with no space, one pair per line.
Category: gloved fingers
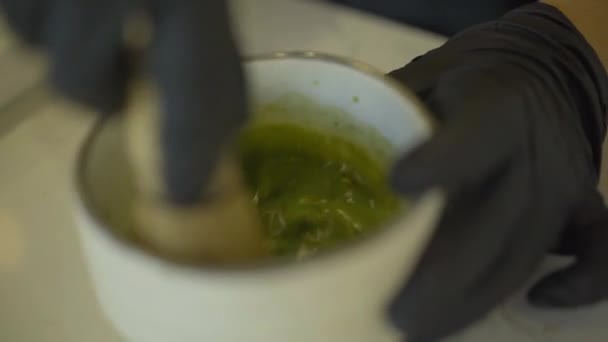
197,68
477,134
586,281
487,244
89,62
439,302
455,158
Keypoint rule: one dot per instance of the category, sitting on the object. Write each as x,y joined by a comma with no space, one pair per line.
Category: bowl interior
348,87
106,184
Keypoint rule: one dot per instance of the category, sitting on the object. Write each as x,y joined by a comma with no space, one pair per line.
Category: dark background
446,17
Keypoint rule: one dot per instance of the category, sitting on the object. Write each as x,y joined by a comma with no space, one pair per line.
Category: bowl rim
271,264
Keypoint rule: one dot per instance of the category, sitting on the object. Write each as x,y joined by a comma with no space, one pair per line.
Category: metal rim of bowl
271,263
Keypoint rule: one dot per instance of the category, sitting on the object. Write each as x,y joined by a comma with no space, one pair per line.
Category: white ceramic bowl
337,296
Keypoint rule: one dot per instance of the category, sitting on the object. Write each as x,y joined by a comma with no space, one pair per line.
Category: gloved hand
521,104
192,58
187,207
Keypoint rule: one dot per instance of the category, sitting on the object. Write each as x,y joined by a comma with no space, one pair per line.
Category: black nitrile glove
521,104
192,58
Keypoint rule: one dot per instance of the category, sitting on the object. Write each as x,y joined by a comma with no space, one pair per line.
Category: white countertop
45,294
